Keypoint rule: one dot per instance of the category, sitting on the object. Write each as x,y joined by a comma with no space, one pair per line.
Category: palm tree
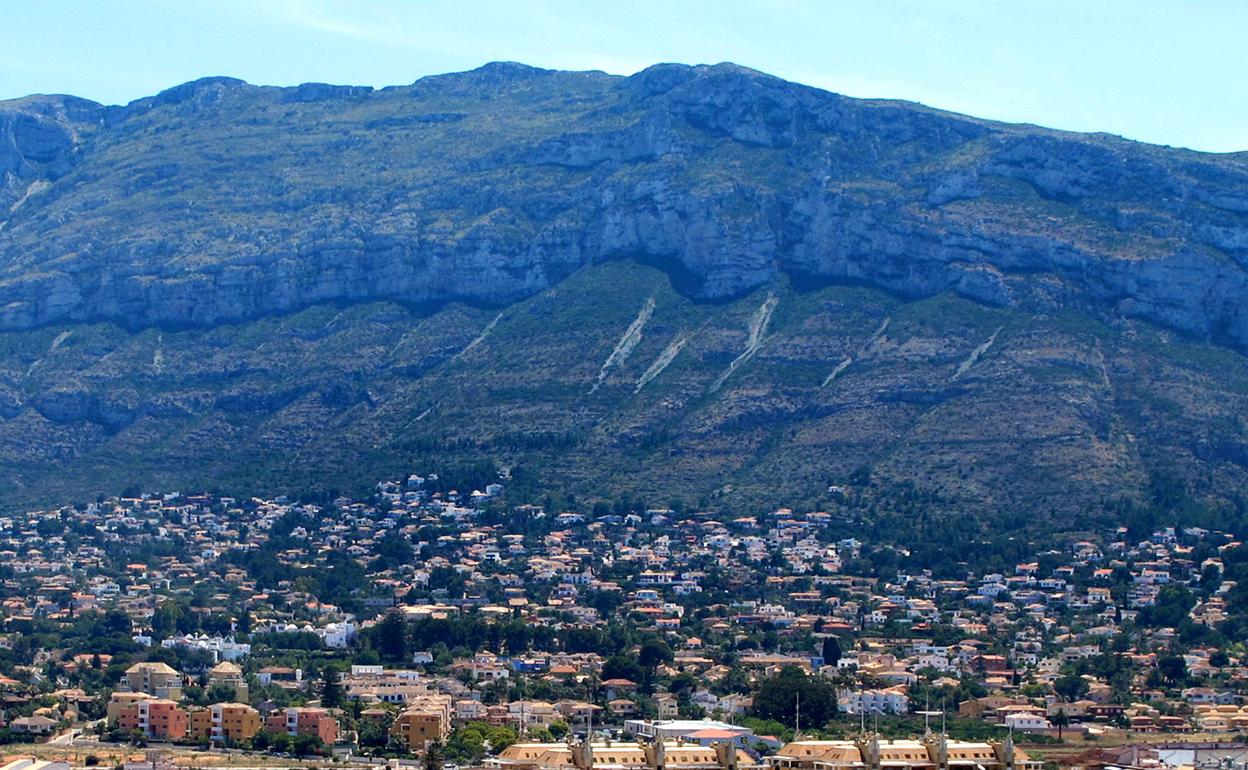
1061,720
434,756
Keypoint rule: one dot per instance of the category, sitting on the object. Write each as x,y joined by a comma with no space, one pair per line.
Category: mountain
701,284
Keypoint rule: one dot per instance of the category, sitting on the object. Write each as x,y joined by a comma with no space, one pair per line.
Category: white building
30,763
220,647
687,729
1024,722
338,635
892,700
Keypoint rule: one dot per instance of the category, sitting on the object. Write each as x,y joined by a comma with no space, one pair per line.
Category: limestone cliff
218,201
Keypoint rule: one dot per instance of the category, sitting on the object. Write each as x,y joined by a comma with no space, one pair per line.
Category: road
66,738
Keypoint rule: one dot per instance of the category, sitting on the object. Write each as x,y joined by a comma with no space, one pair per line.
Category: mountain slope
697,282
948,404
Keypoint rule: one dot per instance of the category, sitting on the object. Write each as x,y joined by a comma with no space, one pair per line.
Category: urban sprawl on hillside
427,626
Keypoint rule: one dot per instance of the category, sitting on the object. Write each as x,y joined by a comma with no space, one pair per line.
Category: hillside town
456,629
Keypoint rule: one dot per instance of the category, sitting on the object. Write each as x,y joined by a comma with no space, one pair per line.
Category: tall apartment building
426,719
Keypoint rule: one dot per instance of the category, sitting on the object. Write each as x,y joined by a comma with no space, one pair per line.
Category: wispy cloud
314,16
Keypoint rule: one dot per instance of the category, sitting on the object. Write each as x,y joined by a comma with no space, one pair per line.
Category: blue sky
1161,71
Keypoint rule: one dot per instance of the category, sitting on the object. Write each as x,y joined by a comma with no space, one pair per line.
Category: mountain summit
697,280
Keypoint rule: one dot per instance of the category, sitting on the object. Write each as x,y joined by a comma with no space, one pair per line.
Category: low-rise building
158,718
317,722
30,763
34,725
622,756
891,700
874,754
225,723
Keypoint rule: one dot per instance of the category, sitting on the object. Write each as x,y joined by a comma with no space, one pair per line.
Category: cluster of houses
736,600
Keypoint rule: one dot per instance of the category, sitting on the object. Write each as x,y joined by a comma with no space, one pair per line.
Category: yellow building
120,701
159,679
934,753
668,755
227,723
227,674
667,706
426,719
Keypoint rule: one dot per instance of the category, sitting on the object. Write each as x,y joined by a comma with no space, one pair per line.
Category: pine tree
831,650
392,637
331,689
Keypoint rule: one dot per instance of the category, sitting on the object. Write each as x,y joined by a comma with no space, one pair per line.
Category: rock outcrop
40,137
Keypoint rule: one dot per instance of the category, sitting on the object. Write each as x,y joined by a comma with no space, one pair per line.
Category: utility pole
797,717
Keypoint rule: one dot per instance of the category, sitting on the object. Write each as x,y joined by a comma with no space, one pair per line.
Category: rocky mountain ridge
217,201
